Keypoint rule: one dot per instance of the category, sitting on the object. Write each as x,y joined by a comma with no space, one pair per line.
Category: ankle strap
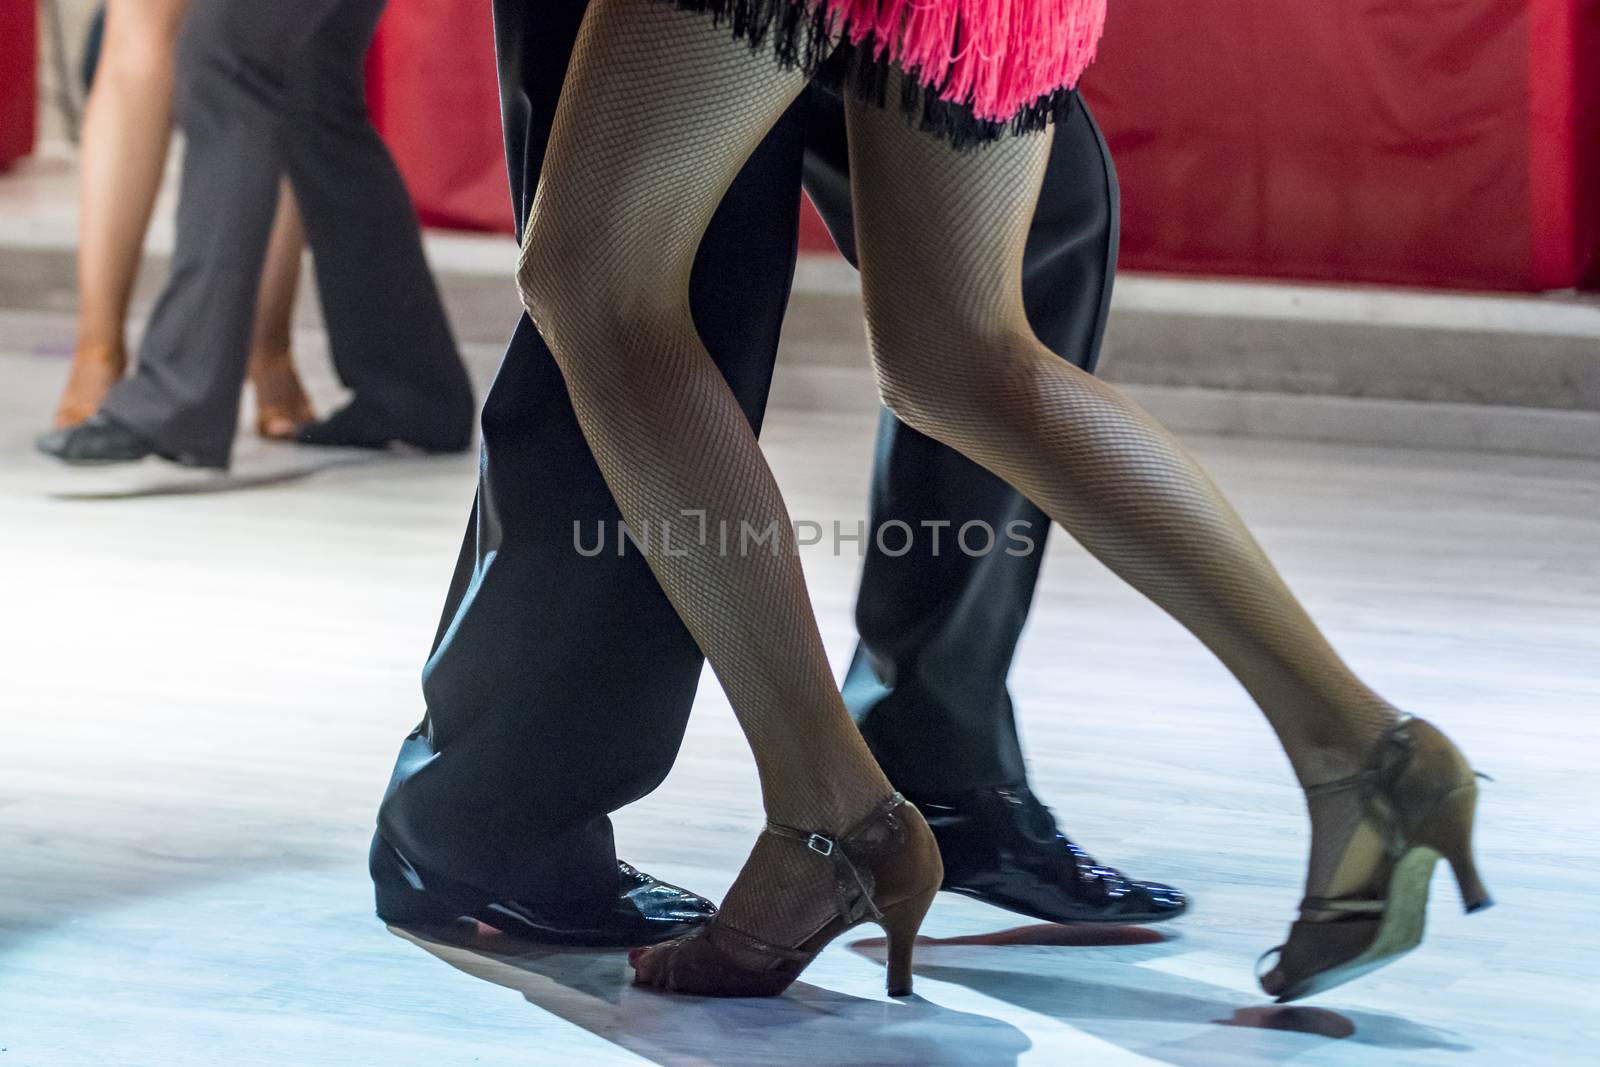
824,845
855,898
1391,754
821,844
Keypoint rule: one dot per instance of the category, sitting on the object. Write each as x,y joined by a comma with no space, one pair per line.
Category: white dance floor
203,693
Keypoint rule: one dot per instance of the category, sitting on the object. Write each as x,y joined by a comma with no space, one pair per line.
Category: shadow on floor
591,989
1234,1029
162,479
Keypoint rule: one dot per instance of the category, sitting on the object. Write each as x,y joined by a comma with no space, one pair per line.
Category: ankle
827,788
834,814
1323,766
265,356
1348,748
112,353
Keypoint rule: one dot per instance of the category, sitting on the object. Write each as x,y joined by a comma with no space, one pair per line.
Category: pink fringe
1010,52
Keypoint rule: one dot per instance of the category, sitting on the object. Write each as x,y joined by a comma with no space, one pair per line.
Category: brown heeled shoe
886,871
1419,796
282,406
95,369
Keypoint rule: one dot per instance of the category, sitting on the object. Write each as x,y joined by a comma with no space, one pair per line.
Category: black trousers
559,686
264,90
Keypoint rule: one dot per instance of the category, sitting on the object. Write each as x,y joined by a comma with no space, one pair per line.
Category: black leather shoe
99,439
644,911
354,427
1003,847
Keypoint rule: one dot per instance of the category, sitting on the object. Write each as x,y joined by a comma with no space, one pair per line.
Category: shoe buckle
819,844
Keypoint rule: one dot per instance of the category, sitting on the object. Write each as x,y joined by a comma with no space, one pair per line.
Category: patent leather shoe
1003,847
644,911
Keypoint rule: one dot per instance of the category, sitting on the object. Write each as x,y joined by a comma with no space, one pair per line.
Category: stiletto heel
900,925
1450,834
886,870
1421,795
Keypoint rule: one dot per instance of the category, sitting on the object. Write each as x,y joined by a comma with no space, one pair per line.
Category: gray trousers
268,88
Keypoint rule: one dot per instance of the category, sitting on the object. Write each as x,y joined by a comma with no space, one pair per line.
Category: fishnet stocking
940,235
670,109
658,113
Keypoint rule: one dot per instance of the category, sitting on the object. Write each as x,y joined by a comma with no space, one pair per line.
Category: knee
892,339
931,369
899,392
583,299
541,277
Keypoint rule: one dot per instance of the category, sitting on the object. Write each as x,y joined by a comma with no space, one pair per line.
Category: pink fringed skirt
975,69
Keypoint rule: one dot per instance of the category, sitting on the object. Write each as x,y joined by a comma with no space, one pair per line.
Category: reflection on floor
204,691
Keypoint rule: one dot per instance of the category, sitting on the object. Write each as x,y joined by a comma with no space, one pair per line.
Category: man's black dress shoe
98,440
354,427
643,912
1002,846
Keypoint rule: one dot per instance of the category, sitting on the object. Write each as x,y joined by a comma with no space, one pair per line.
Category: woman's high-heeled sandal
1423,794
95,369
886,871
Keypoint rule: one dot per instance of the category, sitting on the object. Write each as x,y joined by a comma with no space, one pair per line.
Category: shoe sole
1400,931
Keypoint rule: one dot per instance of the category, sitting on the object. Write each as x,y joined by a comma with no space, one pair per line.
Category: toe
1165,901
1272,983
644,962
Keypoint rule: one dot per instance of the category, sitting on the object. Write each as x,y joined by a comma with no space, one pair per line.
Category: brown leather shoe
1419,796
886,871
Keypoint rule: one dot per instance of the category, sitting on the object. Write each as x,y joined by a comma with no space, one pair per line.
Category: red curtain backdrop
1420,142
432,90
1427,142
19,79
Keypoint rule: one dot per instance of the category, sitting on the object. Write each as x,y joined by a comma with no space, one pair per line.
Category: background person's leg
387,332
127,129
184,394
938,631
559,686
282,406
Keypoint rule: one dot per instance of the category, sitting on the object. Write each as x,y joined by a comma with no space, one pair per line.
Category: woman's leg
281,403
126,130
941,237
389,338
659,111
